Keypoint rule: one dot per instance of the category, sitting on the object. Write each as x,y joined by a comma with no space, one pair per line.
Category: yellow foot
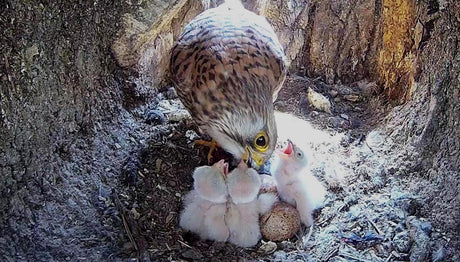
211,144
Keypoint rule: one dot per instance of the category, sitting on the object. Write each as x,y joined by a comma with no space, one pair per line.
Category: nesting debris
319,101
268,185
192,254
352,98
267,247
173,109
155,117
368,215
191,135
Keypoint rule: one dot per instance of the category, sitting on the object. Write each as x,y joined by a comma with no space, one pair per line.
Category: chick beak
242,165
286,152
225,168
222,166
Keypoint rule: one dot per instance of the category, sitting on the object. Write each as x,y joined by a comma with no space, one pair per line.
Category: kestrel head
249,134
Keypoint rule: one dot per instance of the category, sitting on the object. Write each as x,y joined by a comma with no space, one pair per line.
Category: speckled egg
281,223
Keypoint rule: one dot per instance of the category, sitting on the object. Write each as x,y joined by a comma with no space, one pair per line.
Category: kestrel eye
261,142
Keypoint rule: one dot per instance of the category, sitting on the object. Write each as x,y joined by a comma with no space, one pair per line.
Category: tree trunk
428,125
64,133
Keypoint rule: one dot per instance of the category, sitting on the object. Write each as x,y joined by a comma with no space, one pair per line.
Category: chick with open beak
296,185
206,205
245,205
210,182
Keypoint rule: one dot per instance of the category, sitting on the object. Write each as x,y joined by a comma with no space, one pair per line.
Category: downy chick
244,207
205,206
210,182
296,185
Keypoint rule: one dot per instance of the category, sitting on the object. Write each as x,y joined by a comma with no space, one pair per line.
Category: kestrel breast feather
227,67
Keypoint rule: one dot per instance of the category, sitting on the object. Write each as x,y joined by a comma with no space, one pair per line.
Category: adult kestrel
228,67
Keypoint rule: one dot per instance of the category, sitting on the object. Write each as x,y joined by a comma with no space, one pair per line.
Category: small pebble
333,93
136,214
338,122
344,116
192,254
286,245
155,117
267,247
171,93
191,135
319,101
352,98
304,105
280,256
177,116
158,165
402,242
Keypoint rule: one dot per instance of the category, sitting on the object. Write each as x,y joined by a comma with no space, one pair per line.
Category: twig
8,71
122,211
131,228
324,221
341,207
331,254
304,241
374,225
185,244
368,146
347,255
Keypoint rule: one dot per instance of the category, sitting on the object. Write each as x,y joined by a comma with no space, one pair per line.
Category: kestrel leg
211,144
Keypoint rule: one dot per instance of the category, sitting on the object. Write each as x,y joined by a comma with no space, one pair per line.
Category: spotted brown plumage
228,67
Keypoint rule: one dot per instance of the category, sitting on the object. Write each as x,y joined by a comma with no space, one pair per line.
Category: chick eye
261,142
299,155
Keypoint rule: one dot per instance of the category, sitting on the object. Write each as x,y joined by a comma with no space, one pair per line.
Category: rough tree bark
428,125
65,132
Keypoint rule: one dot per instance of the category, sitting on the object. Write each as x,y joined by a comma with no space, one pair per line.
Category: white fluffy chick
243,210
296,185
210,182
206,205
243,184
